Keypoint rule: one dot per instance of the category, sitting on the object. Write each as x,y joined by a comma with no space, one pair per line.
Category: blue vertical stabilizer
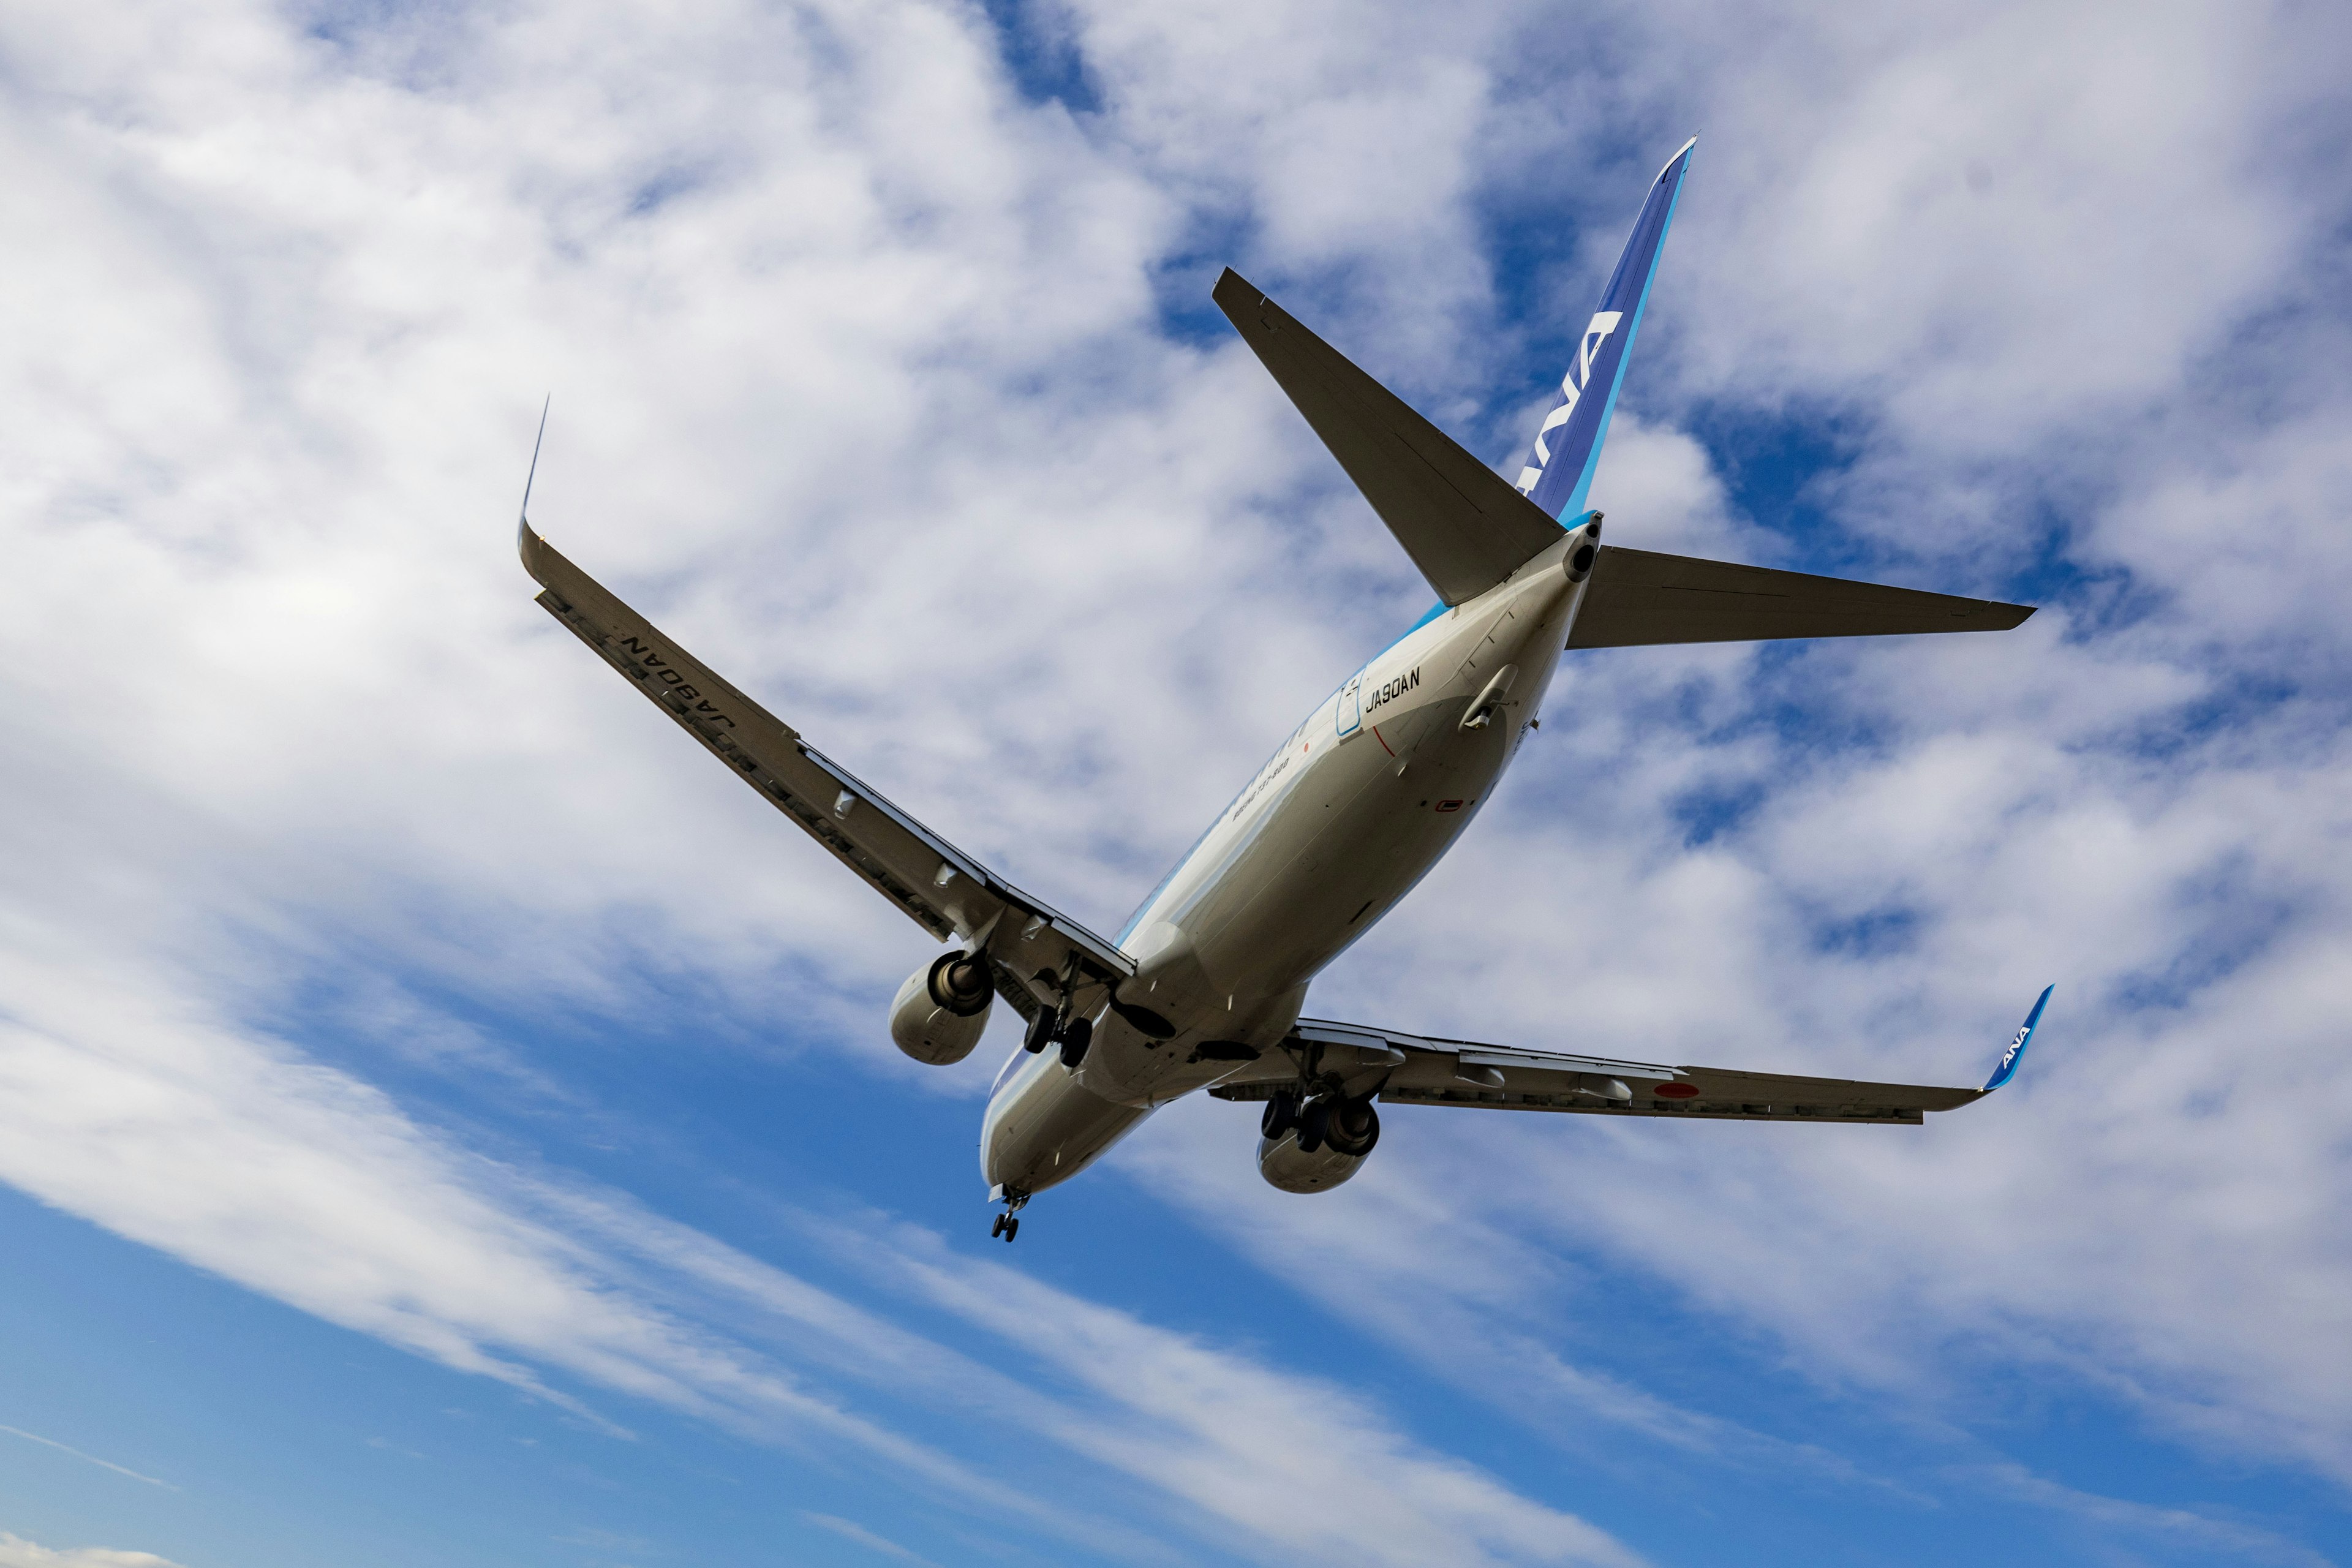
1568,445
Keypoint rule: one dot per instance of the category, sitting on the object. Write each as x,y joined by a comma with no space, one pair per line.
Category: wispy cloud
90,1459
2227,1537
850,1530
886,389
196,1139
17,1553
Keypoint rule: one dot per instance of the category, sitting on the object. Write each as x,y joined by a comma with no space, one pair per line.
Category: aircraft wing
1416,1069
1639,596
939,887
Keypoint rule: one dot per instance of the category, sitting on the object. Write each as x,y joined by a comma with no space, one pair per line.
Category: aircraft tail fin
1462,524
1558,475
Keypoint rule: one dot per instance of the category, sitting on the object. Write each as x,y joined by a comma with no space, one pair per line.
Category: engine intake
942,1009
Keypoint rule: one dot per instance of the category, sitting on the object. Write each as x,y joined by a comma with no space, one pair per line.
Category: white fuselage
1348,814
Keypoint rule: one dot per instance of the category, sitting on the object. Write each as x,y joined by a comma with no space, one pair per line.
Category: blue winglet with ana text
2016,1052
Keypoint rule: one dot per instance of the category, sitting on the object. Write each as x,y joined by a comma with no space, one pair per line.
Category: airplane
1203,988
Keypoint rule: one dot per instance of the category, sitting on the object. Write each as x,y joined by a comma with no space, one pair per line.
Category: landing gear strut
1008,1224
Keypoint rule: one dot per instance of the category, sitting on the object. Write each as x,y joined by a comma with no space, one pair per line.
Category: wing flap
1464,524
938,886
1641,598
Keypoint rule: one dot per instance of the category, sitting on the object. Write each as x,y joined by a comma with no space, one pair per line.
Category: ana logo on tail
1569,444
1571,389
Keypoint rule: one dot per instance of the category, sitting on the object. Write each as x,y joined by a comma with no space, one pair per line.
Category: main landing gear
1072,1037
1008,1224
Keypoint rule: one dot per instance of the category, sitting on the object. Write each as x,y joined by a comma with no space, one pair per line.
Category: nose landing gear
1008,1224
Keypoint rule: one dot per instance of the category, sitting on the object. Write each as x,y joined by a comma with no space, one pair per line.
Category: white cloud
16,1551
92,1458
850,1530
862,390
300,1183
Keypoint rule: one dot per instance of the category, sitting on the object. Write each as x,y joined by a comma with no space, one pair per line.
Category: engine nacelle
1315,1149
942,1010
1281,1162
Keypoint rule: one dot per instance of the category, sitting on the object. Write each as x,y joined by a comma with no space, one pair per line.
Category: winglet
522,516
2016,1052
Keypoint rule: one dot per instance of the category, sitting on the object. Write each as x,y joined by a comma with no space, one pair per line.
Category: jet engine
942,1010
1313,1148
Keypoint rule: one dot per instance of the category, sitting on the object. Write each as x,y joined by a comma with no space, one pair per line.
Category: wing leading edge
936,886
1418,1069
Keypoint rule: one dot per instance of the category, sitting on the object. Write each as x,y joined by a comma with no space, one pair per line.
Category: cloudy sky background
445,1117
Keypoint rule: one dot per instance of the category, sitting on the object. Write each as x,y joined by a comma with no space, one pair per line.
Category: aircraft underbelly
1344,848
1047,1127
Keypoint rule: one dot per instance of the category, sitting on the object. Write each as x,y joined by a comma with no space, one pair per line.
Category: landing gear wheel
998,1228
1311,1122
1012,1225
1281,1115
1075,1041
1041,1031
1351,1127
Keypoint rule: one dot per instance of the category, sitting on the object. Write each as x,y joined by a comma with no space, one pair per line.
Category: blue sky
443,1118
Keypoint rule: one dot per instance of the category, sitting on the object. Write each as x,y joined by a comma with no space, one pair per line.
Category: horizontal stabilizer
1639,596
1463,525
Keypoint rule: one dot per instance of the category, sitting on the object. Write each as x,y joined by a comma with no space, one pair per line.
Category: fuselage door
1351,706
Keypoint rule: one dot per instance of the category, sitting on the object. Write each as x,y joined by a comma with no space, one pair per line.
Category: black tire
1351,1127
1281,1116
1012,1228
1311,1122
1075,1041
961,985
998,1228
1041,1031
